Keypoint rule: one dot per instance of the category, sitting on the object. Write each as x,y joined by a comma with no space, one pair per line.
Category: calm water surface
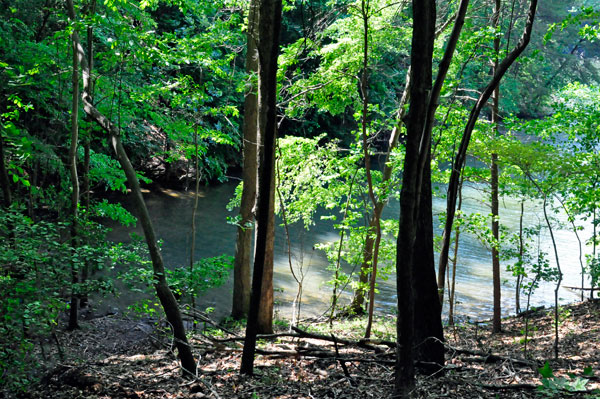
171,213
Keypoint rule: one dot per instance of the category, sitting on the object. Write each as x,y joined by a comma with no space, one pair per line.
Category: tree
497,318
414,260
269,26
164,293
460,158
74,214
424,17
243,247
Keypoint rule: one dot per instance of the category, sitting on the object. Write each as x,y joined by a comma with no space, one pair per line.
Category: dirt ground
115,357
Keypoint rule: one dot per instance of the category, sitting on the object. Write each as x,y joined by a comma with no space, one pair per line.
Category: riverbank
112,357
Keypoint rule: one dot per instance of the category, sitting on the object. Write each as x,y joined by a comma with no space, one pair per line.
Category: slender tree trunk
461,154
451,296
560,276
4,182
594,241
73,309
497,318
165,296
265,310
161,286
521,252
269,26
497,314
334,296
194,212
85,271
243,252
571,219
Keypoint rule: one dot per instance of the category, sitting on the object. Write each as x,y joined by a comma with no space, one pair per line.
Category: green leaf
546,371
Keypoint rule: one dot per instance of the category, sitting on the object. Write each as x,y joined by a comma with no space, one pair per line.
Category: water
171,213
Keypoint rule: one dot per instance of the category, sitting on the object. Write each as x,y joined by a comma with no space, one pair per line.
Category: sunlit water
171,213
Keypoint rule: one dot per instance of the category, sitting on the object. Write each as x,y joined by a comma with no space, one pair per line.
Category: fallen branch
496,387
203,317
363,343
342,362
486,357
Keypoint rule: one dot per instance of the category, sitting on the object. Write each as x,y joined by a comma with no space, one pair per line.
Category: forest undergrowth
117,357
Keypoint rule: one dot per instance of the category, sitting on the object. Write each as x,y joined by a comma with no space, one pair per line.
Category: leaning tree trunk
269,26
163,291
243,248
461,154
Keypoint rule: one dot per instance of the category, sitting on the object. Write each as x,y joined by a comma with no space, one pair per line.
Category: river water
171,213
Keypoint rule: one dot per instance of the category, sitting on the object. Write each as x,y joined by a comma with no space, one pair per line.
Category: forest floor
116,357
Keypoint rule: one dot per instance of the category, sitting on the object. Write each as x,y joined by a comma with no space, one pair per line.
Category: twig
342,362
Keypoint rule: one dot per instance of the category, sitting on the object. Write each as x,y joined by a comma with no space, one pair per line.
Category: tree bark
243,247
461,154
269,26
161,286
424,16
415,269
429,333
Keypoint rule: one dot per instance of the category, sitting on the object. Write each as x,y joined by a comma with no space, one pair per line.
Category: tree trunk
243,248
415,269
424,17
161,286
4,182
85,271
497,314
497,318
74,307
521,252
429,333
194,213
452,291
269,26
265,310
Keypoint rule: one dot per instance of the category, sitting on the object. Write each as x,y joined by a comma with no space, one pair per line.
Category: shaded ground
112,357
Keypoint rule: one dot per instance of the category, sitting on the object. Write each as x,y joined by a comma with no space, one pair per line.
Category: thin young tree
74,213
497,291
4,182
86,189
461,154
163,292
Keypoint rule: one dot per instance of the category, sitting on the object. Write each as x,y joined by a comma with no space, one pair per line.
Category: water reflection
171,213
